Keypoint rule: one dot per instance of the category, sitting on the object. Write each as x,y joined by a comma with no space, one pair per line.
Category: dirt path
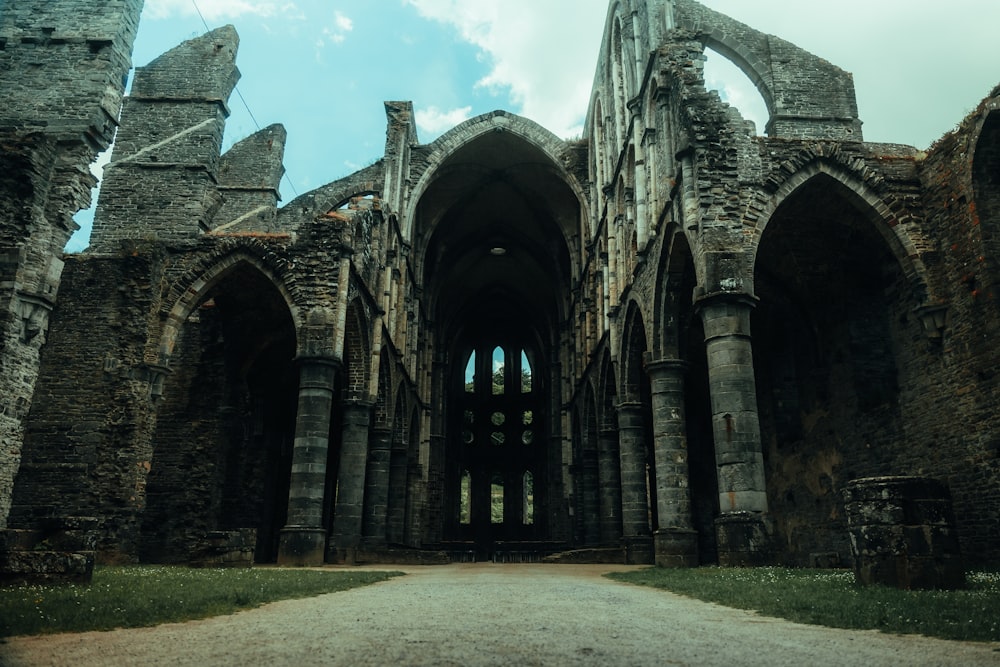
488,614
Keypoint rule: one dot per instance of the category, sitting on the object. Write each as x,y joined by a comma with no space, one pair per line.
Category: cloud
542,54
433,121
214,10
341,26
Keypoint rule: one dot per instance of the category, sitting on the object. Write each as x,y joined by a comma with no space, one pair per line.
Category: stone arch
794,103
190,289
609,455
673,308
598,163
225,418
414,481
638,467
635,345
619,76
332,196
837,283
861,186
591,464
398,470
986,194
468,132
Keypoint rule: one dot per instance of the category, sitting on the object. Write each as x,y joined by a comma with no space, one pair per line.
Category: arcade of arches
671,340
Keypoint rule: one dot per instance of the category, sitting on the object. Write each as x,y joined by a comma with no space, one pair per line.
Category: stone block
902,533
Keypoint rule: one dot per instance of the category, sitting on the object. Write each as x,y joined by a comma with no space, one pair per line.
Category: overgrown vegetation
126,597
831,598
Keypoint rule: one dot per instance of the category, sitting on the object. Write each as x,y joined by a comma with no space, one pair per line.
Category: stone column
675,540
741,532
610,487
347,515
303,538
635,514
377,488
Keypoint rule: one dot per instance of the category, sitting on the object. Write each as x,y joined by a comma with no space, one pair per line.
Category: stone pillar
347,515
741,531
610,487
675,540
303,538
636,536
377,488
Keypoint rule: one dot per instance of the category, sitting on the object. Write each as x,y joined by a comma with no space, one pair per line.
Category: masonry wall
63,68
87,446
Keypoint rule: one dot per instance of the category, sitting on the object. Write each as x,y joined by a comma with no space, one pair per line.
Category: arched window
528,496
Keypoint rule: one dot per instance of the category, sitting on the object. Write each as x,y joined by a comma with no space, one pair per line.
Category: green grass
831,598
125,597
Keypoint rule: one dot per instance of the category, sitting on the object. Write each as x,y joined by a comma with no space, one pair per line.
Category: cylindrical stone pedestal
903,533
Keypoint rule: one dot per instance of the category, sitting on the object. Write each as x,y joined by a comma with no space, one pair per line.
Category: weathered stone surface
902,533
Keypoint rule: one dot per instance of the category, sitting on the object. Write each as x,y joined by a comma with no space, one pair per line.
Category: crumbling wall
162,182
63,68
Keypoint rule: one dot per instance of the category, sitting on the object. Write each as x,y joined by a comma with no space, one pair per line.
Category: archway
492,246
826,335
226,421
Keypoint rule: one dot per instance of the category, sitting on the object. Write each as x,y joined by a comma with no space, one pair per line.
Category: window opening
735,88
465,503
499,370
496,499
470,374
528,498
525,374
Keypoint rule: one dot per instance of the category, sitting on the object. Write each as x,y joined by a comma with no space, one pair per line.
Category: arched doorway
225,425
492,243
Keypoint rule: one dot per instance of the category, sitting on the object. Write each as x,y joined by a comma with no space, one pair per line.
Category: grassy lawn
125,597
831,598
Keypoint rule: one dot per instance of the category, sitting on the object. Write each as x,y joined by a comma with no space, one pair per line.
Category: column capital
319,360
628,406
729,299
663,366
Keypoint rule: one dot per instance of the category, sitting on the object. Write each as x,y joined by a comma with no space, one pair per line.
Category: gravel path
487,614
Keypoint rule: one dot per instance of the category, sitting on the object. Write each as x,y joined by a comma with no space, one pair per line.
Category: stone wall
166,404
48,137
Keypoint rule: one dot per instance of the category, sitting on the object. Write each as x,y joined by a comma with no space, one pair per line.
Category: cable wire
242,99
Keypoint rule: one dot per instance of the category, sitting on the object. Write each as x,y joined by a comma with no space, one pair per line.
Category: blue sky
323,67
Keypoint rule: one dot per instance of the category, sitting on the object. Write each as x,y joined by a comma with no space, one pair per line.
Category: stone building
672,339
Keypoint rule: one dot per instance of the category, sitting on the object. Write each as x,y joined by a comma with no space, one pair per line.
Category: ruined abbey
676,339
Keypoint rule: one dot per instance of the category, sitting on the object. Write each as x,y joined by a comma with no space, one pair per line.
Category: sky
323,68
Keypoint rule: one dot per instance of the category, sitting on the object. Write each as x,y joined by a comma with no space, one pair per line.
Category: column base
638,550
744,539
299,546
676,547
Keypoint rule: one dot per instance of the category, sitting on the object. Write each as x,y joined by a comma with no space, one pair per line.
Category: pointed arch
673,307
190,290
635,346
861,188
467,133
